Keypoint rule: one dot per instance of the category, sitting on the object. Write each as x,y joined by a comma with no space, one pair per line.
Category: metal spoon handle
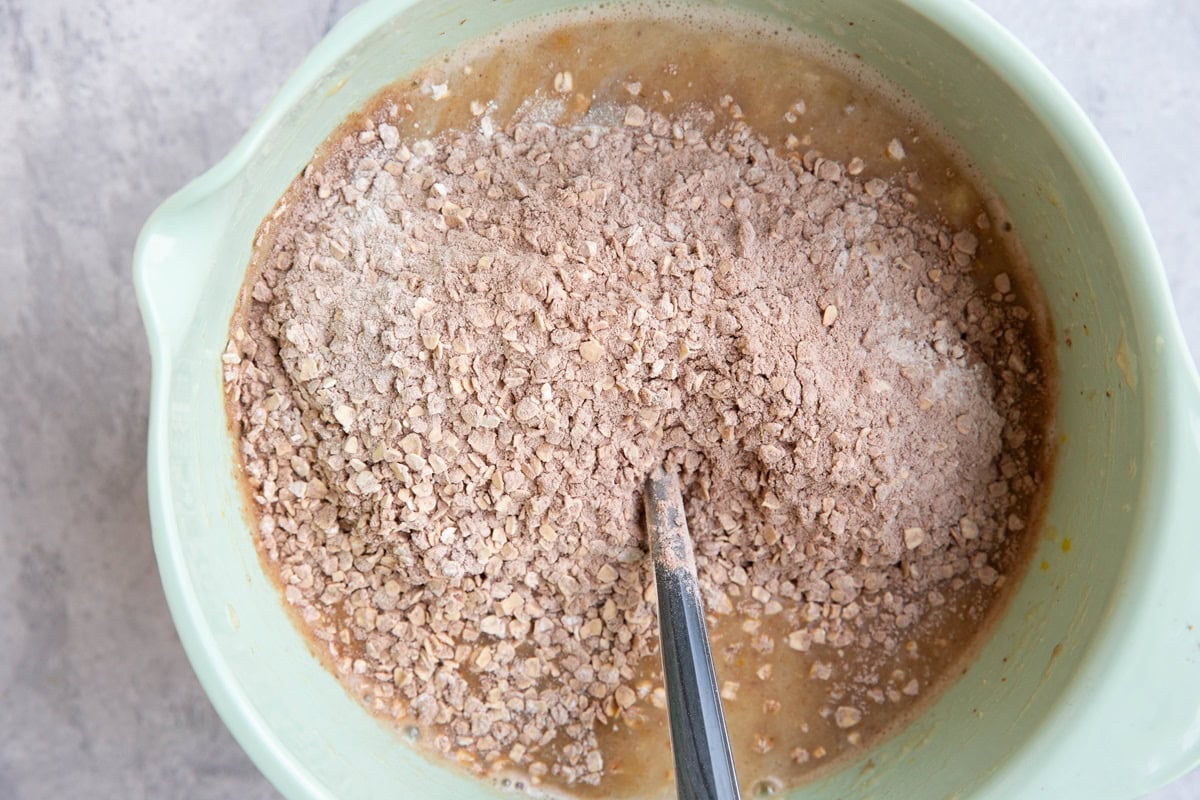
703,759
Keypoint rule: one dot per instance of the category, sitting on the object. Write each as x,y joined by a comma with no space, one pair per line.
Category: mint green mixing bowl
1090,687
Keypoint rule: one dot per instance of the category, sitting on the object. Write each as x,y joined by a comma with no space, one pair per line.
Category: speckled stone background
105,109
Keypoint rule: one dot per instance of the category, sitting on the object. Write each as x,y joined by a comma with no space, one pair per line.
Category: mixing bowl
1090,686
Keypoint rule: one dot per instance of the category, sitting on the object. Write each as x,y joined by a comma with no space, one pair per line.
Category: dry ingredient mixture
458,356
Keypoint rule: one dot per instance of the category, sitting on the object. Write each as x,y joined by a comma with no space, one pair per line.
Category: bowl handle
1147,732
1173,658
1130,722
173,259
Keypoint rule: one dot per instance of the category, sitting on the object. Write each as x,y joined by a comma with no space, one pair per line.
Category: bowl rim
995,48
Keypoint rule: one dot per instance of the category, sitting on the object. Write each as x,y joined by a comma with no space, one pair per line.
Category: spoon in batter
703,759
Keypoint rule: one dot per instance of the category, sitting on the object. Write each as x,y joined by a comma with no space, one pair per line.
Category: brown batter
824,641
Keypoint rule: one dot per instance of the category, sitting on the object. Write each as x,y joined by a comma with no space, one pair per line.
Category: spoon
699,741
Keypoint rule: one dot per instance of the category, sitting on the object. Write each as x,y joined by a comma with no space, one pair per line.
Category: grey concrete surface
106,108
